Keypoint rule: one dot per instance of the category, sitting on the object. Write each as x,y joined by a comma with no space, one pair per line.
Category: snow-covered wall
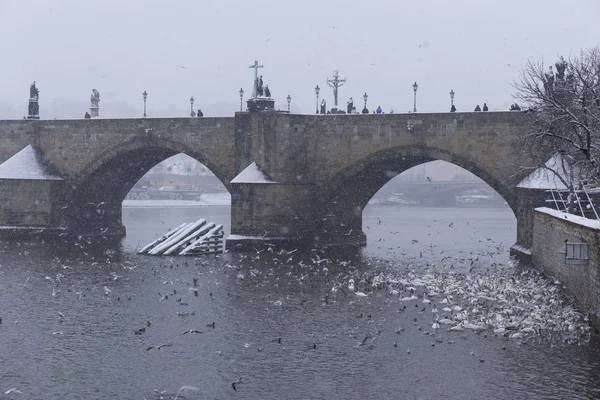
552,229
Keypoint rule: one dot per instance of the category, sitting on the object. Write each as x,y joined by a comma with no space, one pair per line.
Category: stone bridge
293,178
100,160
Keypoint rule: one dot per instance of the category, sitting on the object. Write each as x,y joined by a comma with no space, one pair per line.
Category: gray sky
179,48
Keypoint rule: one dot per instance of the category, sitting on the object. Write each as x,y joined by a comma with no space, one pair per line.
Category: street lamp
415,87
241,98
289,99
192,106
452,109
365,97
145,94
317,92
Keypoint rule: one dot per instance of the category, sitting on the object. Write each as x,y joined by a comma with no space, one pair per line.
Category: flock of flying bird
521,306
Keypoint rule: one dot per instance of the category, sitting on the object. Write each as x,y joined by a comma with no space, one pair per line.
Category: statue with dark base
257,102
34,107
95,104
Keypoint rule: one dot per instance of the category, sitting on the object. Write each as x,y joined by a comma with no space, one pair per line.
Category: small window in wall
576,253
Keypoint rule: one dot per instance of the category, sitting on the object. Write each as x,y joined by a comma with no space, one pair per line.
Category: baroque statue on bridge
261,94
34,92
95,98
259,86
561,66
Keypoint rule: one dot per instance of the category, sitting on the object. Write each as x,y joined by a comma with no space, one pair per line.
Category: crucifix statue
335,83
256,88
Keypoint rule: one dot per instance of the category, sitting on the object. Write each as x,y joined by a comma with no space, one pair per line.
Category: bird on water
238,382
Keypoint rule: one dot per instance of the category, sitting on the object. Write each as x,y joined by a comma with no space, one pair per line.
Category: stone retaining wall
551,231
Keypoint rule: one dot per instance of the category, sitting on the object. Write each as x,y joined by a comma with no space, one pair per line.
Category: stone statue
323,106
95,98
259,86
477,108
549,81
34,107
267,92
561,66
34,93
485,107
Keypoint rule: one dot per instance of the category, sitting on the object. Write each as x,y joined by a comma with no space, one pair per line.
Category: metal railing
581,200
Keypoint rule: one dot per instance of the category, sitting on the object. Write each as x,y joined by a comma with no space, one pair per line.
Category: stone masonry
551,232
325,168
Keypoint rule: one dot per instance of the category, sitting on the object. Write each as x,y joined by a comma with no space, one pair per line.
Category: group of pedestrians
350,109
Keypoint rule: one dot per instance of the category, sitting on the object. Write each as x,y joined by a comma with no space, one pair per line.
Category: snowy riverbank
206,199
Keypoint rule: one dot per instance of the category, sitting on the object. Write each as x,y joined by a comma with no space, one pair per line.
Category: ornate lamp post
241,98
415,87
192,106
452,109
289,100
365,97
145,94
317,92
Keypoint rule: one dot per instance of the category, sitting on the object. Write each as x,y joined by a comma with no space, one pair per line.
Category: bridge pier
265,214
273,196
270,213
95,220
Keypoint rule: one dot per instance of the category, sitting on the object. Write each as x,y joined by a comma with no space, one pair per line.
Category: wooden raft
188,239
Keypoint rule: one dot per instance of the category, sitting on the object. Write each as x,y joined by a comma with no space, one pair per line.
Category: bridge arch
93,198
149,151
341,199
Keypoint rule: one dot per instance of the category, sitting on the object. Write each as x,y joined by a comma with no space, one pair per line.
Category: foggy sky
177,49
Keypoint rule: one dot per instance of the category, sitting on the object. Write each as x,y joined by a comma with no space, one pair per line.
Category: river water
70,314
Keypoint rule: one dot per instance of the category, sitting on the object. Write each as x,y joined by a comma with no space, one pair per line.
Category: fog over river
432,308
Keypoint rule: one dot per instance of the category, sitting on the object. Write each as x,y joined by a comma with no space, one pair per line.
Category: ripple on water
99,356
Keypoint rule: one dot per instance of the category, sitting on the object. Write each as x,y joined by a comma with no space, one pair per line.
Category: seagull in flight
97,205
191,331
158,347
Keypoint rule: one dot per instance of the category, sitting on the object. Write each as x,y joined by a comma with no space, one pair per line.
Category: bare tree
565,106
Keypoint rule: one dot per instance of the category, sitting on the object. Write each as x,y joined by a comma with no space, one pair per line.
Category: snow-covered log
161,239
183,233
